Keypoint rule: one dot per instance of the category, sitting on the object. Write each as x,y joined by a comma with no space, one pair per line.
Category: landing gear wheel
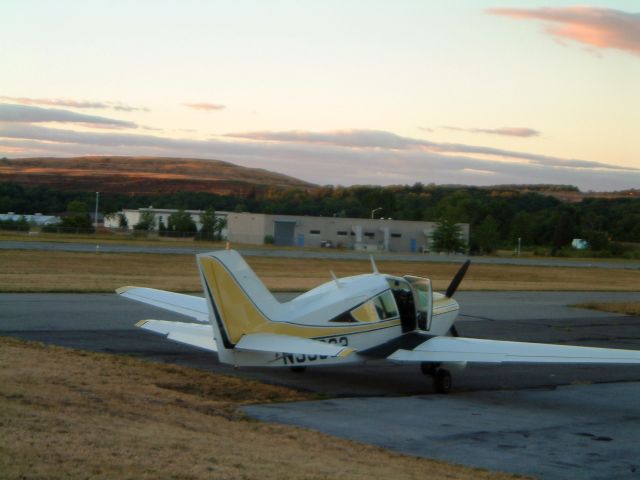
442,381
299,369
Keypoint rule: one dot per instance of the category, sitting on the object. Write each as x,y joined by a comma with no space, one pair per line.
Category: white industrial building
305,231
161,215
355,233
35,219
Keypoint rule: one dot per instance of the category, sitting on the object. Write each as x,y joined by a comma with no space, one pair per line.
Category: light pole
374,211
96,217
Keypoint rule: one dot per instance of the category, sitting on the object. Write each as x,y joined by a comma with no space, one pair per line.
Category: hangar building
356,233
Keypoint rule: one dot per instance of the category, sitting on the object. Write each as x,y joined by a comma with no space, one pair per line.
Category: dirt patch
72,414
626,308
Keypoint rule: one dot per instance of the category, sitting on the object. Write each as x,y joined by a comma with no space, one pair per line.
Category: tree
221,224
181,224
122,220
521,227
597,239
208,225
147,221
20,224
76,207
77,219
447,237
486,235
564,230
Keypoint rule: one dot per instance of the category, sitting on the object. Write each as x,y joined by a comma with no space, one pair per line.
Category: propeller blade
455,282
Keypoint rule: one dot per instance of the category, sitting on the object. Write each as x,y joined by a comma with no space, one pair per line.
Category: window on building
314,232
341,233
369,234
396,235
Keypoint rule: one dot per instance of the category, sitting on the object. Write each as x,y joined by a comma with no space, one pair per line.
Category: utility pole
519,244
374,211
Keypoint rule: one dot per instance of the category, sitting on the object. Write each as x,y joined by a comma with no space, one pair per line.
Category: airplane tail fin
239,303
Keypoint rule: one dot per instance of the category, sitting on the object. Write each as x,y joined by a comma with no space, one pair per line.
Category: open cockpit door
423,300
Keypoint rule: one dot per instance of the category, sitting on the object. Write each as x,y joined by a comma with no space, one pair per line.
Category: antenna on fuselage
374,266
335,279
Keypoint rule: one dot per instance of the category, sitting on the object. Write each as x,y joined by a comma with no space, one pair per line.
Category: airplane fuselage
357,320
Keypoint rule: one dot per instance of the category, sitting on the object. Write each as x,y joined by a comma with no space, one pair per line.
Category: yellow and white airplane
344,321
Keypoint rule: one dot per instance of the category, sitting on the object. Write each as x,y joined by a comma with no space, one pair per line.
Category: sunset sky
333,92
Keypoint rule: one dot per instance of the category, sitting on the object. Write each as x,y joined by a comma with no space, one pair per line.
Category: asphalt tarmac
550,421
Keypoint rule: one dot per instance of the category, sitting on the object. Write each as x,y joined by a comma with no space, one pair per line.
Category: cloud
377,139
31,114
508,131
597,27
67,102
204,106
344,138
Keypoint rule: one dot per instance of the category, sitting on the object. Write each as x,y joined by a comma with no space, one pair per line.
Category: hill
142,175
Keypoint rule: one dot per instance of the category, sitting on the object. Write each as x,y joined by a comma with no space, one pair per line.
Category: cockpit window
381,307
386,305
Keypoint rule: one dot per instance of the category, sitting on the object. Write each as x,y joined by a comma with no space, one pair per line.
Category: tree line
498,217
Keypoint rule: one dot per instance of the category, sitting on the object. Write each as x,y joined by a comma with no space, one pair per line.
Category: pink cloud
597,27
204,106
508,131
69,102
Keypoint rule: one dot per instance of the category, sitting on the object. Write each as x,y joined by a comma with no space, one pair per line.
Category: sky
333,92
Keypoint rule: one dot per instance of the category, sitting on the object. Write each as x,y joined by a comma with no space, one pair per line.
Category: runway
558,422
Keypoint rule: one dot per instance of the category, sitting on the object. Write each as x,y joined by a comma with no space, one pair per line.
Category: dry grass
40,271
71,414
626,308
107,238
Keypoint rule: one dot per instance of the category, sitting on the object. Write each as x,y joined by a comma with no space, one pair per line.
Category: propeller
457,279
453,286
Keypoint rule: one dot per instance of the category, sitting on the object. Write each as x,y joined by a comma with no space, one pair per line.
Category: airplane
350,320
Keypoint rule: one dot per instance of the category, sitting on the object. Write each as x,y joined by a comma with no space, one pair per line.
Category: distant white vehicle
579,244
349,320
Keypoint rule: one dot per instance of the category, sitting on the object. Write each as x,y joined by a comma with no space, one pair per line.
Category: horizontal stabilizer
276,343
193,334
194,307
474,350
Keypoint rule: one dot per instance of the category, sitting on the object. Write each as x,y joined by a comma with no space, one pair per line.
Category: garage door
283,232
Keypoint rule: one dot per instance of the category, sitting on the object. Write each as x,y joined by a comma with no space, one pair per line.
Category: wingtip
122,290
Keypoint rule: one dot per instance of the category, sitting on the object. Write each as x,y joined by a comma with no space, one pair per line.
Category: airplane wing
276,343
193,334
474,350
194,307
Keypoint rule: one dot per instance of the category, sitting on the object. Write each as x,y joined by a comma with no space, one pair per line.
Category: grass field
103,416
42,271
